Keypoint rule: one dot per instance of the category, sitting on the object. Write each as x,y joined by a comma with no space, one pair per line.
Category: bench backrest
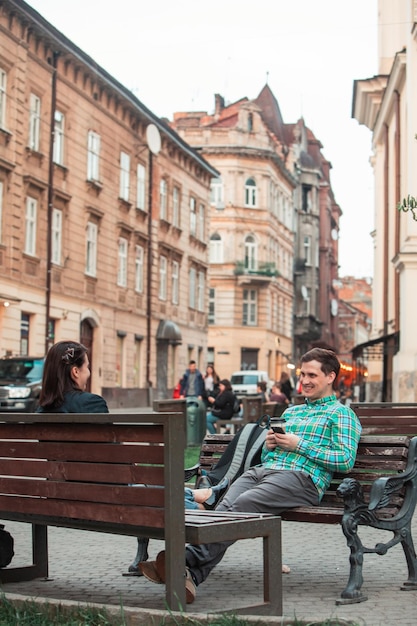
83,467
389,419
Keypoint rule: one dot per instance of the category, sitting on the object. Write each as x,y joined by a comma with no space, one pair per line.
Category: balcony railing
264,269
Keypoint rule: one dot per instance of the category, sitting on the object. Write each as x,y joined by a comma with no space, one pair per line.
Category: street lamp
153,139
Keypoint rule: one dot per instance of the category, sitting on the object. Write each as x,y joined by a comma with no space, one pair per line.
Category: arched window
216,248
251,253
250,193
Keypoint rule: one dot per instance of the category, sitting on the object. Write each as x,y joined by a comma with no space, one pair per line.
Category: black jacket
222,406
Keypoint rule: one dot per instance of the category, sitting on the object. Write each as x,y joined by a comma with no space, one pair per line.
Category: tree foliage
409,204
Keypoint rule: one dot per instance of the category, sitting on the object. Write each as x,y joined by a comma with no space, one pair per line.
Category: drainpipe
50,202
149,284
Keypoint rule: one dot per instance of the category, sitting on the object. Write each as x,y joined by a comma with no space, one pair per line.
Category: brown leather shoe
149,570
190,588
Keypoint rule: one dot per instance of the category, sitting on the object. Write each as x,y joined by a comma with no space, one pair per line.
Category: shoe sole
149,570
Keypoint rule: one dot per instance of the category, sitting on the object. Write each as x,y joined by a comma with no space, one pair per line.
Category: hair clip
68,355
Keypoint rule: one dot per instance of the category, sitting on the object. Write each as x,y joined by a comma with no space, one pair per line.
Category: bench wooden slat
89,492
84,431
78,451
74,471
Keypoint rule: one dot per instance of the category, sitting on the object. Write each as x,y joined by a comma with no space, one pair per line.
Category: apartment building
104,218
384,103
273,236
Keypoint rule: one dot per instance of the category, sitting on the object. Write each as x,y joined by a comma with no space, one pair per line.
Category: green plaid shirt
329,435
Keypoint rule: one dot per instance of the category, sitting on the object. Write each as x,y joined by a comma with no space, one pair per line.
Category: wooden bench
121,474
380,492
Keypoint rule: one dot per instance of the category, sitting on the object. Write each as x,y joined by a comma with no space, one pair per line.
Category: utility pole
50,203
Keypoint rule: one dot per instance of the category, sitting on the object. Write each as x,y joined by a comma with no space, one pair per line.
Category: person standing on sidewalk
320,437
192,383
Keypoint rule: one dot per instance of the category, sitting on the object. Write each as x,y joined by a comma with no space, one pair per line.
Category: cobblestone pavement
88,567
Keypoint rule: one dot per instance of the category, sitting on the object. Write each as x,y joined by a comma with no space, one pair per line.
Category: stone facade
101,240
384,103
273,237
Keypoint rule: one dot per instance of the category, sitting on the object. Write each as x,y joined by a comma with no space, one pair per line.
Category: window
307,249
307,301
163,212
191,283
56,242
176,207
1,211
216,193
162,278
91,253
124,176
251,253
216,249
122,263
200,291
201,222
250,306
175,277
30,226
193,217
306,199
58,155
212,307
250,193
140,190
93,156
34,122
140,255
250,122
3,82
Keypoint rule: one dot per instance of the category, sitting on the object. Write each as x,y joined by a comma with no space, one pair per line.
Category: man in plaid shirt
321,437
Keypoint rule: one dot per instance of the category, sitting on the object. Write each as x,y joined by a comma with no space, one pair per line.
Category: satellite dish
304,292
334,234
153,138
334,307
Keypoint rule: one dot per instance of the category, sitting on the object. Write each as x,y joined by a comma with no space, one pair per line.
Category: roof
62,45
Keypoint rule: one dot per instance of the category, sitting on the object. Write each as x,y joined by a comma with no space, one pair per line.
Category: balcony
264,274
264,269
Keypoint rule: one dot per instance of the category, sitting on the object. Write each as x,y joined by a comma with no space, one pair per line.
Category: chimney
218,104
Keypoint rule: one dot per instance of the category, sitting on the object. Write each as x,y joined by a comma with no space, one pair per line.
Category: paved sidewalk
88,567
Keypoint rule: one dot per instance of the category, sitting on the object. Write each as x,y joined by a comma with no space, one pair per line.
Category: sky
175,55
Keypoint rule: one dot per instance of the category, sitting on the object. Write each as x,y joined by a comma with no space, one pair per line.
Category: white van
244,382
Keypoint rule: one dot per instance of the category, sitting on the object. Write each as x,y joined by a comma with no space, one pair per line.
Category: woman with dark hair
211,383
221,405
65,375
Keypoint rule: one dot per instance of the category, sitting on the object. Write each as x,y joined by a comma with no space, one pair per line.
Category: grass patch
192,454
31,613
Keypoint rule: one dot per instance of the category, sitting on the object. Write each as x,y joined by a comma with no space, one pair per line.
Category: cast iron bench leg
410,555
352,592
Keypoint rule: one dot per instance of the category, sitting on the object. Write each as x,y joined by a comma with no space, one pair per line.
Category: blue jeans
211,420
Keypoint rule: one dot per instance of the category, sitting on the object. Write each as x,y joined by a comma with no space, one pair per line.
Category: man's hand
287,441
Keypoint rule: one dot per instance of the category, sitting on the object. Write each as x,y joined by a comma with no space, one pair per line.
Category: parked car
244,382
20,383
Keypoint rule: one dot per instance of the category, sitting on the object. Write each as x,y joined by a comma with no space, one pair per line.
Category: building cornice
367,98
33,23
